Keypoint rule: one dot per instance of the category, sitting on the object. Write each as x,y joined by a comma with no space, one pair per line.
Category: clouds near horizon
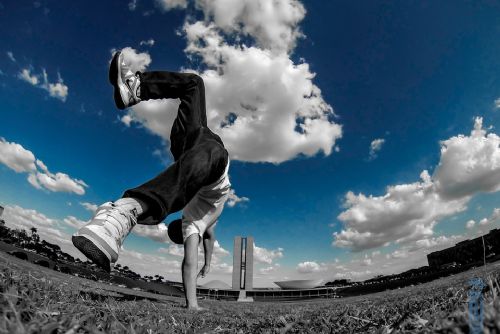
407,212
21,160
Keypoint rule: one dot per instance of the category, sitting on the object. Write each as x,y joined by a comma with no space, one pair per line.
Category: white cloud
132,5
16,157
265,107
178,250
273,24
89,206
263,255
11,56
19,159
126,119
470,224
406,212
497,103
138,61
58,182
486,223
48,229
74,222
310,267
149,42
167,5
468,165
375,147
234,199
157,233
269,269
149,264
57,90
26,75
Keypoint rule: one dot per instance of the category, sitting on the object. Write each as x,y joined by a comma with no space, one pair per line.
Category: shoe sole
114,78
92,252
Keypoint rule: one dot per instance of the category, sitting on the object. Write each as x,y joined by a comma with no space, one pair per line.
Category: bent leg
171,190
187,87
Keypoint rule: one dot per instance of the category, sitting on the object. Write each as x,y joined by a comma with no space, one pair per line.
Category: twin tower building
243,265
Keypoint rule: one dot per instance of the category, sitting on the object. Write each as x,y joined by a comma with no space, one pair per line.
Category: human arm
208,247
189,269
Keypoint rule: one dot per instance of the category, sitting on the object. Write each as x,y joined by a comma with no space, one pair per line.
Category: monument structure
243,266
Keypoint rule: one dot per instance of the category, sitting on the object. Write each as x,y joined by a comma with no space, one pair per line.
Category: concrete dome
300,284
216,284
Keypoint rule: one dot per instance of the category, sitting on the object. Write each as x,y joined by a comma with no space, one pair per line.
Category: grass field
36,299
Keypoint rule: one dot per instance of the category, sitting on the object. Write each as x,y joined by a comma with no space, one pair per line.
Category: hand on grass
204,271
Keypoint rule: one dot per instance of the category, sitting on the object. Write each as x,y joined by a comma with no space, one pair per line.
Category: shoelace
121,221
131,81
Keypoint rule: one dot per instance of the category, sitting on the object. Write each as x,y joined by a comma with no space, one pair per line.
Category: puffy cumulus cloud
127,120
375,146
273,24
57,90
485,224
265,107
470,224
157,233
19,159
74,222
497,103
18,217
310,267
405,212
234,199
138,61
263,255
167,5
58,182
89,206
26,75
16,157
468,165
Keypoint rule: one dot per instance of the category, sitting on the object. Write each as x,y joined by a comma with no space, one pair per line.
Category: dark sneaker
125,82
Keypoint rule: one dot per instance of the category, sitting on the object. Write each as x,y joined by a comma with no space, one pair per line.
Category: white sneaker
126,83
101,239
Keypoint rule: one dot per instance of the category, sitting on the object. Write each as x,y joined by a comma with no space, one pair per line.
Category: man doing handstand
196,183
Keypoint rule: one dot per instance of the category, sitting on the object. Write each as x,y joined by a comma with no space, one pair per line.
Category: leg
174,188
190,89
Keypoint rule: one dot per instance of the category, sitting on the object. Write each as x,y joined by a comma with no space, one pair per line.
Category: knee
197,79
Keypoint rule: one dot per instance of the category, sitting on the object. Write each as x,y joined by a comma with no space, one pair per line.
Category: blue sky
398,77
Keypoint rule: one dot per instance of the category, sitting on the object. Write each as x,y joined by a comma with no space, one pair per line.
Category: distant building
243,267
468,251
243,263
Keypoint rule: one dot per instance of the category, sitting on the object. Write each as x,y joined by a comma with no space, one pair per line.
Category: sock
130,204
